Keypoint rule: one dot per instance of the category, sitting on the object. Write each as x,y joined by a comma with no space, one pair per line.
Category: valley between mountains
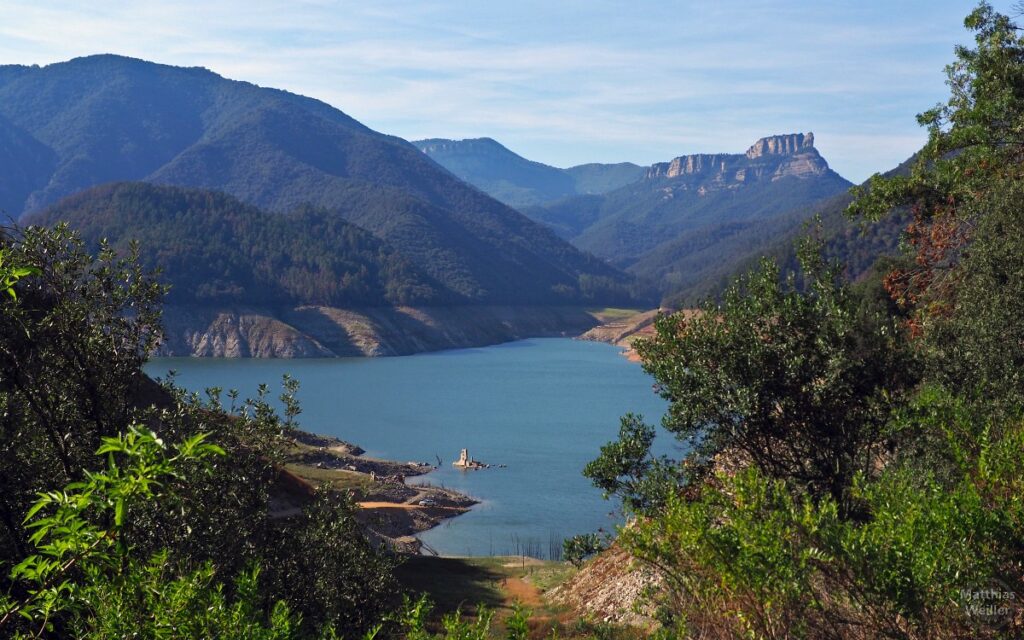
282,227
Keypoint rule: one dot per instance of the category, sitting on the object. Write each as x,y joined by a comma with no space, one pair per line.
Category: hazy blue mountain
69,126
686,218
856,244
516,181
597,178
504,175
25,164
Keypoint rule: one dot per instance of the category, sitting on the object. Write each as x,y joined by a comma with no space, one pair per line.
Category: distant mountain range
856,244
697,212
70,126
285,227
516,181
678,223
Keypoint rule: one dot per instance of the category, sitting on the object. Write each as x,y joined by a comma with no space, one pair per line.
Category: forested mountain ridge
72,125
245,282
213,249
494,169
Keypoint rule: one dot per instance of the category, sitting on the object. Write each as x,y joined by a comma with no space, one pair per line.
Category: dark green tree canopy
798,381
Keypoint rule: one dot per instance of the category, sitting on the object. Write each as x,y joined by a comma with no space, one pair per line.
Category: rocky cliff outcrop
315,331
701,163
234,333
768,159
787,144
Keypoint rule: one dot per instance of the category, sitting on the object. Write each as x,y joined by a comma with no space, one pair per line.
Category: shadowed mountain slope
70,126
213,249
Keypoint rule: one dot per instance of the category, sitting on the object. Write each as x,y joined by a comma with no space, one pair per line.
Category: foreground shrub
83,581
73,340
749,558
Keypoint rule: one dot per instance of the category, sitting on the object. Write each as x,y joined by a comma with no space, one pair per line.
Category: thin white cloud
563,83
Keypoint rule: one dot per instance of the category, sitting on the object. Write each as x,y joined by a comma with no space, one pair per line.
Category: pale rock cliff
768,159
788,144
235,333
609,588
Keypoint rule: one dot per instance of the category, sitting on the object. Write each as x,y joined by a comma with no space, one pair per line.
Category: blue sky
558,81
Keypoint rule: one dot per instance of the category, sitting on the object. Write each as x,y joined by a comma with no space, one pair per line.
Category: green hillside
213,249
100,119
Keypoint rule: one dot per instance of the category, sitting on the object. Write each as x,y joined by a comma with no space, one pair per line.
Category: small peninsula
391,511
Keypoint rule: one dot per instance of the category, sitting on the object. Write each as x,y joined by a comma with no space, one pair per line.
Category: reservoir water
543,407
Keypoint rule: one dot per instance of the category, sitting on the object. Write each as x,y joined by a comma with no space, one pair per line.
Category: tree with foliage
855,465
72,344
797,381
86,581
71,349
10,274
963,289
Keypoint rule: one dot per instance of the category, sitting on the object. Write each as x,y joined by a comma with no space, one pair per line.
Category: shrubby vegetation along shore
854,449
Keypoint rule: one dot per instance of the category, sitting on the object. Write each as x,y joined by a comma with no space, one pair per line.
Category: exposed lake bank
325,332
622,329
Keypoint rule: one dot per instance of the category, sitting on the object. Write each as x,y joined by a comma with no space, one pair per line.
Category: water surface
543,407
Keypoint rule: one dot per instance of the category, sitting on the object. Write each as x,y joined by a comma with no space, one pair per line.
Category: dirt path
388,505
402,505
521,591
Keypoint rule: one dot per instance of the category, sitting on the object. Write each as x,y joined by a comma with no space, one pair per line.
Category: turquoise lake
543,407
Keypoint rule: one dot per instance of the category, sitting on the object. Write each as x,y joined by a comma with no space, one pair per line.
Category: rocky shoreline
392,511
622,331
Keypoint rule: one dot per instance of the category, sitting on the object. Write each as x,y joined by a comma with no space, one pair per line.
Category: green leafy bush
83,580
578,548
72,345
